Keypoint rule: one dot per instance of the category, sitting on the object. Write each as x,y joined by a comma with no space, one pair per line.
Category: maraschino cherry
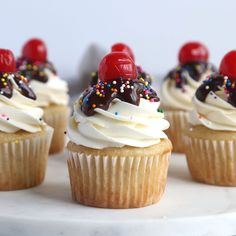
121,47
35,50
193,52
115,65
7,61
228,65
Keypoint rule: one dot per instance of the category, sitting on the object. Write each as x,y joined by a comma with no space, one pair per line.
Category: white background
154,29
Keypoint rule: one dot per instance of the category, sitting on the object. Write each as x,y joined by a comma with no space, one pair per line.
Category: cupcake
121,47
179,87
24,137
51,91
211,140
118,152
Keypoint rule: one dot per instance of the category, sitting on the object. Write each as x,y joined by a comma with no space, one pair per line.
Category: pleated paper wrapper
117,182
178,122
212,161
23,163
58,121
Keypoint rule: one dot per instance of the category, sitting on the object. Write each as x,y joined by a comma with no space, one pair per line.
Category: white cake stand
187,208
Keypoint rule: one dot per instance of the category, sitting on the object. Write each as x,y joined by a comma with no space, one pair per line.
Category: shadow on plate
178,169
54,191
61,157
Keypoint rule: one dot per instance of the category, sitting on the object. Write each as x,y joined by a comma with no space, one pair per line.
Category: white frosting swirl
19,113
122,124
177,98
215,112
54,91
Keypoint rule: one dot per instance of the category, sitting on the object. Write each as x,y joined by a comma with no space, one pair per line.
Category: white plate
187,208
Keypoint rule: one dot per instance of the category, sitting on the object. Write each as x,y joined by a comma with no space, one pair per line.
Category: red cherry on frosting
121,47
228,65
115,65
7,61
192,52
35,50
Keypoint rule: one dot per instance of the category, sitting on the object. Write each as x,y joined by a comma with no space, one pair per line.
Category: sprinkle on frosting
4,117
102,94
160,110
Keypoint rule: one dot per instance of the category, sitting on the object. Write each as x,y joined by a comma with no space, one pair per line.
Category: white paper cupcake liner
117,182
178,122
212,161
23,162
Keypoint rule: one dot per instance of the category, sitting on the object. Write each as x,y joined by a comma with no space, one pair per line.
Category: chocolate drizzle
8,81
216,83
192,69
35,70
94,78
127,90
142,75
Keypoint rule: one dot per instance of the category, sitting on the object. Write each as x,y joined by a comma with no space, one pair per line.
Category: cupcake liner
23,162
117,182
178,122
58,121
212,161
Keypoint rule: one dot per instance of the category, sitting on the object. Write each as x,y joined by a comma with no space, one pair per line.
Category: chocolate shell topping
142,75
35,70
193,69
216,83
94,78
10,80
127,90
